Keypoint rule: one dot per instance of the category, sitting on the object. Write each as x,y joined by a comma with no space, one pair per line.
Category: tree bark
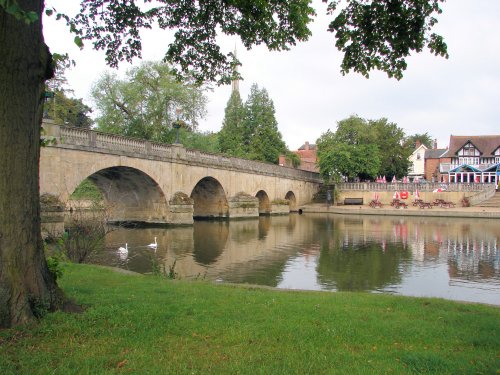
27,288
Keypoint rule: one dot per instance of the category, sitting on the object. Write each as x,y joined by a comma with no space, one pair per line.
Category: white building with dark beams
473,159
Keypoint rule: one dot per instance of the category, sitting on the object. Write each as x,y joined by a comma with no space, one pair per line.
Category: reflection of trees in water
268,272
210,238
360,267
360,253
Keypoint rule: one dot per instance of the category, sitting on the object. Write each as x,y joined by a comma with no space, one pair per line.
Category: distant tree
389,139
364,148
203,141
261,137
145,103
354,130
231,133
424,139
65,110
250,130
340,159
293,159
60,106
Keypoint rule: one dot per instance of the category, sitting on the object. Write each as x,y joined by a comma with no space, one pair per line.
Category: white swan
153,245
123,252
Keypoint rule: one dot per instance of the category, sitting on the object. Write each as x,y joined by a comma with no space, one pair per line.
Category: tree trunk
27,288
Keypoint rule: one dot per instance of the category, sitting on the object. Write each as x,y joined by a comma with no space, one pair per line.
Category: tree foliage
346,154
371,34
203,141
363,149
231,133
60,106
424,139
65,110
250,130
393,152
380,34
146,102
261,137
114,27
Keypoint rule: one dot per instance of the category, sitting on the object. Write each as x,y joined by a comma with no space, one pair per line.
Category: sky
459,95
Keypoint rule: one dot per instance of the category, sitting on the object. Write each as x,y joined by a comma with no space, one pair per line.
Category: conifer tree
261,137
231,134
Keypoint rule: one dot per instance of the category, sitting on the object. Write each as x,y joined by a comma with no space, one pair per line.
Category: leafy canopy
147,102
371,34
114,26
424,139
364,149
380,34
59,104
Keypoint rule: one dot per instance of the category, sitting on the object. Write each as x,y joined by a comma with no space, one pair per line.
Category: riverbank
147,324
472,212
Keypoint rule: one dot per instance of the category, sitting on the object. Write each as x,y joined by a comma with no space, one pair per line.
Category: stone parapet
89,140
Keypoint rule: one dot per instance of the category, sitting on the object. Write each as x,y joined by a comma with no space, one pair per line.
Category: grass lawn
149,325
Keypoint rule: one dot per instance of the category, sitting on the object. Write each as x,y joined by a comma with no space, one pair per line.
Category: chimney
417,143
306,146
435,144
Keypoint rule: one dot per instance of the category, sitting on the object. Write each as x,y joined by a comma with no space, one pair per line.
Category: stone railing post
178,151
92,139
148,148
51,130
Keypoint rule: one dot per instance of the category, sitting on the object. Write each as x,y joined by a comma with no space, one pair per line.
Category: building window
418,156
468,161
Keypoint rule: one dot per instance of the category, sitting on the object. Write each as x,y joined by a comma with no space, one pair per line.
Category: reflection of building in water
468,246
472,257
363,230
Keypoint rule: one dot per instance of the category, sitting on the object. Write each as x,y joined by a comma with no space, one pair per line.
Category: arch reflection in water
210,239
451,258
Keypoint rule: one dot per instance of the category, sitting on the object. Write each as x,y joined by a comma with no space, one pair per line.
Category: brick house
308,154
433,158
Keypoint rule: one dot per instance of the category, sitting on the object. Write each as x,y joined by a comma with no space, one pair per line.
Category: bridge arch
209,199
292,201
131,195
264,202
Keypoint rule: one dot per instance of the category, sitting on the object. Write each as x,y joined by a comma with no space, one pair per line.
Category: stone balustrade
89,140
373,186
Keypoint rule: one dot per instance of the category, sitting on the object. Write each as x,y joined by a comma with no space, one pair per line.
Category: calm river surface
452,258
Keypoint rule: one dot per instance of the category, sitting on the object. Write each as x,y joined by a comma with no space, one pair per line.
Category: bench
353,201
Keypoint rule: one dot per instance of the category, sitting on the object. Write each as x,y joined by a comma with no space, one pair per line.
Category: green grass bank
149,325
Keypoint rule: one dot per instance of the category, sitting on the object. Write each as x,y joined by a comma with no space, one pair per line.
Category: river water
452,258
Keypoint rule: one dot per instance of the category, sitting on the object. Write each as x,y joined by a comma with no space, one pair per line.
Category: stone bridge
149,182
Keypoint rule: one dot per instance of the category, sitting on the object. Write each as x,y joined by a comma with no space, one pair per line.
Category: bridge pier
243,205
181,208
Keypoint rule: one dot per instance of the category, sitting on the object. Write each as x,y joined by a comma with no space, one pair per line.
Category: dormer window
469,150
